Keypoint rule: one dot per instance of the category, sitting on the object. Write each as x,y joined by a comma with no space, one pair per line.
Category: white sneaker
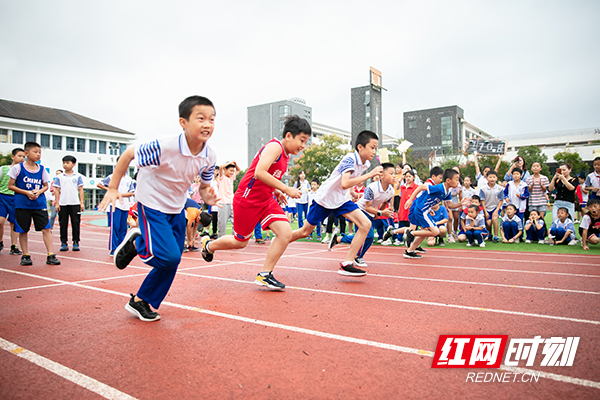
469,245
359,262
576,221
482,244
541,242
572,243
451,239
380,241
325,239
528,241
518,240
387,242
398,243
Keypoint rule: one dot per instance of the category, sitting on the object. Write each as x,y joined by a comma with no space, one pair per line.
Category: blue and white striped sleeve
369,195
106,181
56,182
80,181
148,154
206,176
347,164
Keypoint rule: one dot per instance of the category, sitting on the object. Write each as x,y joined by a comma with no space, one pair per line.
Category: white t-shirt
69,188
304,188
126,185
376,195
166,168
331,195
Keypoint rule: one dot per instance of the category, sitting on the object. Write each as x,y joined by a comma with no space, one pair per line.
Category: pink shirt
226,189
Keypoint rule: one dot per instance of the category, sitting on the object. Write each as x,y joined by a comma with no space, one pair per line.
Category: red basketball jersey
253,192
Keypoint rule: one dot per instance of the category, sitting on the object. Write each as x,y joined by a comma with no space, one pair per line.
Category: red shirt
254,192
405,193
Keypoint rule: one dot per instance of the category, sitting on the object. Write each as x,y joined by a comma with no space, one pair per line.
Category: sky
515,67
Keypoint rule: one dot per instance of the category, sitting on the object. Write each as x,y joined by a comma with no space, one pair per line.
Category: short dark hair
205,219
364,138
296,125
513,206
519,170
387,165
593,201
486,166
410,172
435,171
315,180
492,172
232,165
69,158
595,159
476,197
449,174
16,150
474,207
186,106
31,145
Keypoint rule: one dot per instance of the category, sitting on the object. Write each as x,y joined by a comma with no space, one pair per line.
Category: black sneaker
420,250
126,251
207,255
360,262
411,254
441,242
409,237
15,251
388,233
350,270
186,249
142,310
75,246
193,248
333,241
269,281
64,247
26,259
1,245
52,260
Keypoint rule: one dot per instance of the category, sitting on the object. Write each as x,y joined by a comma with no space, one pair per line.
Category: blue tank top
28,180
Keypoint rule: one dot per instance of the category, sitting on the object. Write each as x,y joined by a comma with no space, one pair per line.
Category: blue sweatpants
118,228
476,235
160,246
534,234
560,233
510,228
302,209
380,225
368,240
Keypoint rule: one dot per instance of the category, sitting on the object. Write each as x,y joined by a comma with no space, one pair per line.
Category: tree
319,160
574,159
238,179
532,154
5,159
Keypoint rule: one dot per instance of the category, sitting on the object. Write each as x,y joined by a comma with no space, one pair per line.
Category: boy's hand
293,193
210,197
376,171
487,214
57,207
408,204
387,212
511,240
280,196
110,197
504,241
585,247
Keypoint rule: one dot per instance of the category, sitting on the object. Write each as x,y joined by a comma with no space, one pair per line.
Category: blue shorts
317,213
490,214
416,217
291,210
7,207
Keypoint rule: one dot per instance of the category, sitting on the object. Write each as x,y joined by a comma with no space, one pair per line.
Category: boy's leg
47,238
541,234
496,224
470,234
531,233
283,234
63,221
23,242
421,235
76,222
364,225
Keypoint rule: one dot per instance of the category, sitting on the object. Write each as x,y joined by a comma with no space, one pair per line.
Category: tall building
366,106
266,121
96,145
439,131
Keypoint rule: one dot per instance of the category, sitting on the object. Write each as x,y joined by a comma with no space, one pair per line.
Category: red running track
64,331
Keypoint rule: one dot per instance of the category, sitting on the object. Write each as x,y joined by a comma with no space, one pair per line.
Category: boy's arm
112,193
413,196
237,167
11,186
347,182
81,197
584,235
57,198
499,162
450,205
270,153
477,170
208,194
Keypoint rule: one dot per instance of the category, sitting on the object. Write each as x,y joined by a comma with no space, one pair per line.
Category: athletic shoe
420,250
193,248
185,249
388,233
387,242
26,260
1,245
325,239
518,240
259,241
350,270
380,240
398,242
409,237
451,239
333,241
142,310
269,281
576,221
360,262
15,251
441,241
469,245
318,238
52,260
411,254
207,255
541,242
482,244
126,251
572,243
64,247
496,239
528,241
75,246
112,253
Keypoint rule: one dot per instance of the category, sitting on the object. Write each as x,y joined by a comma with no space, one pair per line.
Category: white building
96,145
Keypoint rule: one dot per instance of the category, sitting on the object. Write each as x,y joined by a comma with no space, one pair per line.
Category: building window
44,141
114,148
131,172
93,146
80,145
82,168
70,146
56,142
412,124
284,111
447,133
30,137
17,137
3,135
101,147
103,171
367,97
122,148
281,125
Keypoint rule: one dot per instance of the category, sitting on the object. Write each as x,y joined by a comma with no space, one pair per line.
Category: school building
96,145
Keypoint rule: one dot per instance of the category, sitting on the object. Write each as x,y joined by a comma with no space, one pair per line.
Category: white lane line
327,335
67,373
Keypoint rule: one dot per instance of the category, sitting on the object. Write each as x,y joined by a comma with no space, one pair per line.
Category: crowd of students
178,177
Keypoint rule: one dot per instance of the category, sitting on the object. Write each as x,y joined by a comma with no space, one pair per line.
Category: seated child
535,228
512,227
439,215
473,226
474,201
590,224
562,230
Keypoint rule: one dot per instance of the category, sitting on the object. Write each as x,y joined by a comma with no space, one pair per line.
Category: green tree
574,159
532,154
5,159
468,168
238,179
319,160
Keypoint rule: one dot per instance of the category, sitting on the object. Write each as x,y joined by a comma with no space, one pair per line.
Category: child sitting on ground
512,227
473,226
535,228
439,215
474,201
590,224
562,230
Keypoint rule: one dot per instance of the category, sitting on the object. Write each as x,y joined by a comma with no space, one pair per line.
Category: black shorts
23,217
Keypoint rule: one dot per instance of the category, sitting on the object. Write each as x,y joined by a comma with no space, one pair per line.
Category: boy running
7,202
254,201
166,168
332,198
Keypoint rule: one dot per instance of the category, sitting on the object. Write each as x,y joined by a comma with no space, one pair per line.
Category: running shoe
267,279
207,255
411,254
388,233
420,250
333,241
193,248
26,260
142,310
482,244
64,247
386,242
469,244
409,237
496,239
259,241
360,262
52,260
1,245
15,251
528,241
126,251
76,246
350,270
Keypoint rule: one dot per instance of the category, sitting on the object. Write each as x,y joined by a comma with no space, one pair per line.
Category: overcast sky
513,66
